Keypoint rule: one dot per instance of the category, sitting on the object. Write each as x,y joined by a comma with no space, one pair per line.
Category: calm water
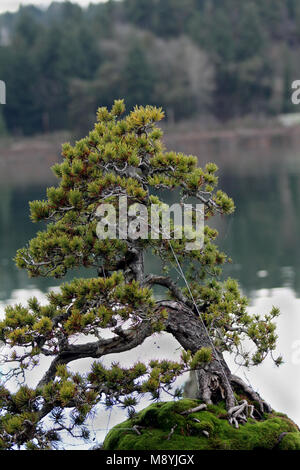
262,174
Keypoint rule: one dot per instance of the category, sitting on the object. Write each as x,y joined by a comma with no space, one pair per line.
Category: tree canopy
122,156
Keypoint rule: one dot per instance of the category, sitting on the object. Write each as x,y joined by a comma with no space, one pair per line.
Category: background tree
122,157
252,47
137,77
174,73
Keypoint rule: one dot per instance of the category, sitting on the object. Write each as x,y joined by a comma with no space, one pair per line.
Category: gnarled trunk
215,381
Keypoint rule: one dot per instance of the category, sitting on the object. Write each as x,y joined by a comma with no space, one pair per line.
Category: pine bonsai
123,157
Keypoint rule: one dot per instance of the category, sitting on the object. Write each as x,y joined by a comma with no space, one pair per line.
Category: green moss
158,419
290,441
198,428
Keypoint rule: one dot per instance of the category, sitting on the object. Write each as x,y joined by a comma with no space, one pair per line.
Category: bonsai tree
123,157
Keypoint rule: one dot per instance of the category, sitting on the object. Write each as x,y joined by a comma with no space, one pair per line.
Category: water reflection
262,235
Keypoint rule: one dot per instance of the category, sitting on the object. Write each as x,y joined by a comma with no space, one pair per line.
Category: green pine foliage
95,171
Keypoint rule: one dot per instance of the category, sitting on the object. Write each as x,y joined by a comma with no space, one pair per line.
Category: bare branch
152,279
129,339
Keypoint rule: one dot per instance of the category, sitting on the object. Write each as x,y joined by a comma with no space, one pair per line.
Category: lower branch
123,341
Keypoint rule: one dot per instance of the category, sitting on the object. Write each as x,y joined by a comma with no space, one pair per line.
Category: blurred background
222,71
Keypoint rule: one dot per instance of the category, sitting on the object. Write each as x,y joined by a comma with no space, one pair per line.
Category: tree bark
214,381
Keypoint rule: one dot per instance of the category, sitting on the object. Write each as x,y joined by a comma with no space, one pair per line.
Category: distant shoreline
27,160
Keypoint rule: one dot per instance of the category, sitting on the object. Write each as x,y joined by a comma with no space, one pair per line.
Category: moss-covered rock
208,429
290,441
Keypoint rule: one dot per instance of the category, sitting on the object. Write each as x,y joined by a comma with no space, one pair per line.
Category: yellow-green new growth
122,156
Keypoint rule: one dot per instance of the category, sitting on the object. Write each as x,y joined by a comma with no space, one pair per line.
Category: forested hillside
226,58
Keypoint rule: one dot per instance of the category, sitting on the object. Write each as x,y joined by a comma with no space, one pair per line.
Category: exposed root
171,432
194,410
240,413
254,396
196,420
136,428
215,384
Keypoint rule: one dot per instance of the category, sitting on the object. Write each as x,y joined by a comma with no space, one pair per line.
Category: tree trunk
215,381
